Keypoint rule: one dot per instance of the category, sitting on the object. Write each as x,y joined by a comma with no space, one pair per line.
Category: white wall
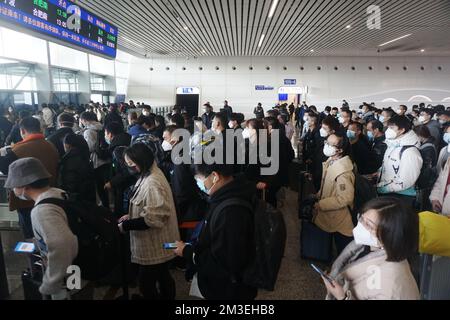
326,87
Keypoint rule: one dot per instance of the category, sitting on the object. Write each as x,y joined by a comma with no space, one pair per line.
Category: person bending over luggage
226,243
386,236
152,221
336,196
57,244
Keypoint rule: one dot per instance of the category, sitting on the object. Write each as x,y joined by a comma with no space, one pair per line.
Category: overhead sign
292,90
264,88
290,82
64,21
188,90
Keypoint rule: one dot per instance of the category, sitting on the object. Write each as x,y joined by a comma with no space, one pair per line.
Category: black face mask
133,171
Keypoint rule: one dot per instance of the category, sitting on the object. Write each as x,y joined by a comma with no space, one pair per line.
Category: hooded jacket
395,280
336,196
399,174
222,254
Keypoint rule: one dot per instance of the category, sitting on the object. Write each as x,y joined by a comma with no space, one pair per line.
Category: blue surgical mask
201,186
447,138
381,119
370,135
351,135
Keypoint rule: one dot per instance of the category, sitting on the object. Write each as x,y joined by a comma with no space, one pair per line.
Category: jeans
150,276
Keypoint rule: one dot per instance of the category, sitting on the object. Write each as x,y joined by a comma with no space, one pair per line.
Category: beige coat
372,277
336,196
153,201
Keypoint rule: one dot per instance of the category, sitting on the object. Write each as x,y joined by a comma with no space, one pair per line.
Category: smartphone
169,246
25,247
319,271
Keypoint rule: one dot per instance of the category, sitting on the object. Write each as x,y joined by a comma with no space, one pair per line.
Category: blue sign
188,90
290,82
264,88
63,21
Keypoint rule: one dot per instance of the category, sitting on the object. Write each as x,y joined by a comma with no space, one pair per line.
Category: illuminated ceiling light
132,42
403,37
272,8
423,50
186,28
348,27
312,50
261,40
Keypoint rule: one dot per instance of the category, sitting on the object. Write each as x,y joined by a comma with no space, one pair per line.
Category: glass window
17,76
22,46
98,83
65,80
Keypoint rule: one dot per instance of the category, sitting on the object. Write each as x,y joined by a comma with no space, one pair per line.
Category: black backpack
102,148
98,237
428,174
270,242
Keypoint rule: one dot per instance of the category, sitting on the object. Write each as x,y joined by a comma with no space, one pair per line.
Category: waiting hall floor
296,281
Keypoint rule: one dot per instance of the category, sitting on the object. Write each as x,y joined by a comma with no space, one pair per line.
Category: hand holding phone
323,274
171,246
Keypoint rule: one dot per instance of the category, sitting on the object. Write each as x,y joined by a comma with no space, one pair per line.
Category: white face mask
341,120
329,151
305,118
246,134
364,237
231,124
422,119
323,133
22,195
166,146
391,134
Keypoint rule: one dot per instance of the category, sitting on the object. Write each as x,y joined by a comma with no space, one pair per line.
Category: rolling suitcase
315,244
435,278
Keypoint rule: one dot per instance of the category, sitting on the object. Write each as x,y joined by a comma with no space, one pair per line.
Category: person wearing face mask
76,175
151,222
345,119
259,111
401,111
234,122
146,111
113,116
402,162
66,122
387,236
325,113
386,115
426,118
377,140
226,244
445,151
336,196
300,112
361,152
58,246
33,145
208,115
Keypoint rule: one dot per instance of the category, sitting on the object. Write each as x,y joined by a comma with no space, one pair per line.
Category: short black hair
76,141
222,118
390,112
171,129
88,116
430,112
66,119
347,111
358,125
40,184
114,128
402,122
328,109
206,170
403,107
30,125
398,227
423,131
376,124
142,156
344,143
332,123
177,119
335,109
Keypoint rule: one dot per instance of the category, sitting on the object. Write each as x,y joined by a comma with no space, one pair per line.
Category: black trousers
102,175
151,276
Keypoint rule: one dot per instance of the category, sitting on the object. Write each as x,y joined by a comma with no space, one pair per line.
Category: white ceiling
234,27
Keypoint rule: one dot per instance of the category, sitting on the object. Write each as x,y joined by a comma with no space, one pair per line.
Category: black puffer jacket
76,176
57,139
222,254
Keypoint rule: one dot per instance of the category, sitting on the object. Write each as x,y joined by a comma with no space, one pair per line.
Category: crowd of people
120,157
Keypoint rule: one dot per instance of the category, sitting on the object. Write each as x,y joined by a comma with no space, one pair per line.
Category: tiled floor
297,281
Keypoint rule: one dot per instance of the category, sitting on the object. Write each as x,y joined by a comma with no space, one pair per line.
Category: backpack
101,147
428,175
98,237
270,242
154,144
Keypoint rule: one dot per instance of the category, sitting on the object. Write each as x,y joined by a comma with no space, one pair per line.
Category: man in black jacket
66,122
377,139
226,245
208,116
360,149
118,141
113,116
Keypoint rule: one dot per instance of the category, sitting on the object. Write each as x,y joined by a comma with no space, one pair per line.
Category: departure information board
64,21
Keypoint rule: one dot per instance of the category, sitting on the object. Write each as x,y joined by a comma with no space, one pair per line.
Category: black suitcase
315,244
31,287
